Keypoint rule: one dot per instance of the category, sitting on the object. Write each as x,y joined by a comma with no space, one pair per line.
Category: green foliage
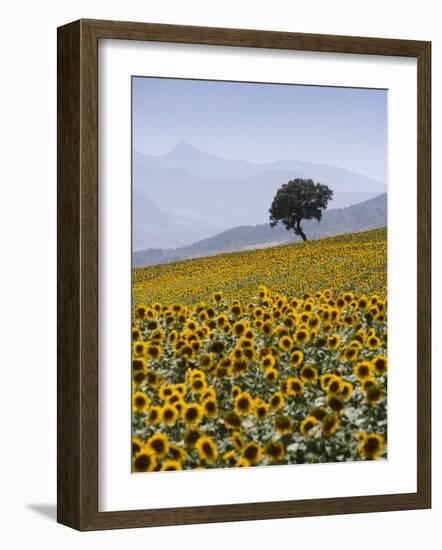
299,200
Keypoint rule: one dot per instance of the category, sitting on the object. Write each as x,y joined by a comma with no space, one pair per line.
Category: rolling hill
354,262
366,215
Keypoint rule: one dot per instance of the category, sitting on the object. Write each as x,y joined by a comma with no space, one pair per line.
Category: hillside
152,224
366,215
355,262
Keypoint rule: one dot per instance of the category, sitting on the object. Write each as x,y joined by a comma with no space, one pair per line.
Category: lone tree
299,200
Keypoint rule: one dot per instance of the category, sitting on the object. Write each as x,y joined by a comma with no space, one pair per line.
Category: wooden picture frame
77,225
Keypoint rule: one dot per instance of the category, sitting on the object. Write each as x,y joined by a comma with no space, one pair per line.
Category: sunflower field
271,356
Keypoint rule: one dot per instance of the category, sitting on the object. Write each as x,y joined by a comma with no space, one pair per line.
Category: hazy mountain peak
184,147
187,182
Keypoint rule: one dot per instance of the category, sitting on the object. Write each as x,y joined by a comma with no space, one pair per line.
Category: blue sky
346,127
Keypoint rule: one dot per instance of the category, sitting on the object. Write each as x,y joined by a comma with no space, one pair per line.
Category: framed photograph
243,274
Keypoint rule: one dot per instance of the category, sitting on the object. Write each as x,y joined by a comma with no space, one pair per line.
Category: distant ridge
359,217
204,190
187,157
152,224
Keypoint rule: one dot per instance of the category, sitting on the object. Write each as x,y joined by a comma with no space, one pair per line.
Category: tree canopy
297,200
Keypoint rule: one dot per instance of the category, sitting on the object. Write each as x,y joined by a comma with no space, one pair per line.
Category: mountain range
153,224
359,217
187,195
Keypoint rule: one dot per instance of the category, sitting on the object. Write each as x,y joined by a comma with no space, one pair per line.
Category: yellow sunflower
301,336
140,401
276,401
285,343
271,376
374,393
191,437
144,461
252,452
329,425
380,364
371,445
137,445
207,449
169,414
154,415
210,407
158,444
334,342
193,413
171,465
294,386
363,370
309,374
243,404
283,424
307,424
274,451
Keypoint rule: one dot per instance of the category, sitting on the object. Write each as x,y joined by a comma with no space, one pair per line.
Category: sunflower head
285,343
309,374
271,376
302,336
252,452
139,377
144,461
193,413
346,389
373,342
261,408
318,412
370,446
268,362
170,414
177,453
218,347
283,424
207,449
139,364
276,401
140,401
374,393
307,424
274,451
171,465
154,415
137,445
329,425
191,437
158,444
363,370
229,458
336,403
210,407
380,365
243,404
294,386
217,296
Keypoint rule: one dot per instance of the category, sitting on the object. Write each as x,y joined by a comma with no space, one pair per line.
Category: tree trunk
299,231
302,234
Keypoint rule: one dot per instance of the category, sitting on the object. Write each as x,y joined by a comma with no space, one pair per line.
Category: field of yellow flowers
273,356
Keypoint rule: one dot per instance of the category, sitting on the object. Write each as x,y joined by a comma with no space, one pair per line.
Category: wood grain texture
424,274
68,276
78,297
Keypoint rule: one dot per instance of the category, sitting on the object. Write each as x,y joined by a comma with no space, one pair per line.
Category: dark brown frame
77,224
